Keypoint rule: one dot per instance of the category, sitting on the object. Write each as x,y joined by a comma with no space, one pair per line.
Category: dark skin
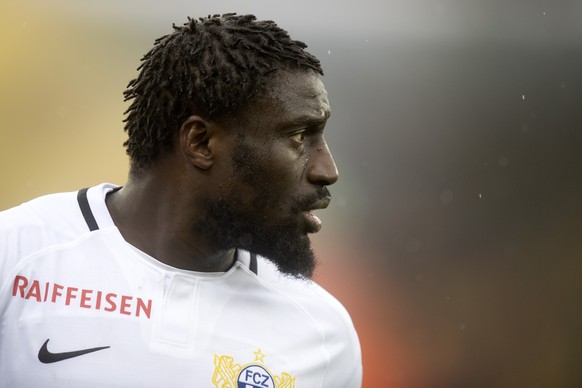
156,210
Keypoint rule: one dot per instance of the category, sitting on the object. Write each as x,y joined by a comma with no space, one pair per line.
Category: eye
298,137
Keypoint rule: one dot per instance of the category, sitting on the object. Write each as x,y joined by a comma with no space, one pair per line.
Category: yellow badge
228,374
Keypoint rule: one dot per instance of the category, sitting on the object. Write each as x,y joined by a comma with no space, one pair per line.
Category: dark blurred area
454,238
468,159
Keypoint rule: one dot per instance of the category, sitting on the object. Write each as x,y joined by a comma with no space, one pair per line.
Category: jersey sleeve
341,339
21,233
34,225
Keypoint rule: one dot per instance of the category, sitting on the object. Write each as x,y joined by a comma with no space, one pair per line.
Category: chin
293,257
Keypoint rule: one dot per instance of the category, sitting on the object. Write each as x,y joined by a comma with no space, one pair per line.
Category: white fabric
164,327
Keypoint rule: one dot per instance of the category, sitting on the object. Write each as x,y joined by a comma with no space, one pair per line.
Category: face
277,175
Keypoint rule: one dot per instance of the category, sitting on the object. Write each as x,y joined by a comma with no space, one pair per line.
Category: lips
313,222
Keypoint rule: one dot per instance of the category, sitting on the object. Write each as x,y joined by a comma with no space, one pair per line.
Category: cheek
291,162
271,179
287,172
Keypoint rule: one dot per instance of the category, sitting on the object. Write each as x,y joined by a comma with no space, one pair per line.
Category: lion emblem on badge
228,374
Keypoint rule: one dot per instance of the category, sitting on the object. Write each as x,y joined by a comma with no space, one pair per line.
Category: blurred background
455,234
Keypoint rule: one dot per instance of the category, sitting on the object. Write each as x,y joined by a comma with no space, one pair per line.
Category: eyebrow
311,120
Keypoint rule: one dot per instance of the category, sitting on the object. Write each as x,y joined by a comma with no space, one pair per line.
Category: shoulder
44,221
39,211
53,214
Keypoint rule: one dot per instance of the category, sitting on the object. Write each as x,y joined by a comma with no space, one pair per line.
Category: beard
228,223
281,243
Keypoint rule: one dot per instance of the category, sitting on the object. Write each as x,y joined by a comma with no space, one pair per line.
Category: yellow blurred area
61,103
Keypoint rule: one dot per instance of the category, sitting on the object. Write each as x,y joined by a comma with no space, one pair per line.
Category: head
210,67
253,92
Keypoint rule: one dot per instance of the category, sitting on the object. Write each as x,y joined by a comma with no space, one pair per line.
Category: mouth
313,222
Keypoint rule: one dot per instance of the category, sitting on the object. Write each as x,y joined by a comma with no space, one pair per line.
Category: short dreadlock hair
210,67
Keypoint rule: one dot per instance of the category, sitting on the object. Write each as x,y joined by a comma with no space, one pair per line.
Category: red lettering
142,306
34,291
46,289
123,309
85,298
56,292
71,294
98,304
108,299
20,283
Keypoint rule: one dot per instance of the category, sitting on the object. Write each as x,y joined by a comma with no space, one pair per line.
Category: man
196,272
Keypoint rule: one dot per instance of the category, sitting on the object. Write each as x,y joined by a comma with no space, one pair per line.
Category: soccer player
195,273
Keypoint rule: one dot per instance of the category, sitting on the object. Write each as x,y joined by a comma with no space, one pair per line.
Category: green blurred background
455,234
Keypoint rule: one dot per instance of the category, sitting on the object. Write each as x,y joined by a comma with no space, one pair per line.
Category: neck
154,216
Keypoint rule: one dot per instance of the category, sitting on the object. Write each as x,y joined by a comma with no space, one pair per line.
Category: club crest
228,374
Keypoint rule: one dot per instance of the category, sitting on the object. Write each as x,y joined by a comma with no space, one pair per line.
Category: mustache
310,200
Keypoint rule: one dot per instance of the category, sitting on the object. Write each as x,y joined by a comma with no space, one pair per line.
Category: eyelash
301,136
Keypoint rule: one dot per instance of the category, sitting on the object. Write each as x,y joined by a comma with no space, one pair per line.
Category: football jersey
80,307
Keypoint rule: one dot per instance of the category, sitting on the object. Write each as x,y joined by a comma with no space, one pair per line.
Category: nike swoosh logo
47,357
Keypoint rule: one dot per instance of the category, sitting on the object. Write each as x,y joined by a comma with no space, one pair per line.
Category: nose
322,169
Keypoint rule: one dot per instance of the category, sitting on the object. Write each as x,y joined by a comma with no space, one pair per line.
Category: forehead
298,95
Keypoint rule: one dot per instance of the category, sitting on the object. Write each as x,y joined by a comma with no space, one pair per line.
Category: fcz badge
228,374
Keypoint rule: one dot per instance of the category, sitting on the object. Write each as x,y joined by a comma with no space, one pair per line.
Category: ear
194,141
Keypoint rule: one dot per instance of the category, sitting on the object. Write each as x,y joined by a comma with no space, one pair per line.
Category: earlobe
194,142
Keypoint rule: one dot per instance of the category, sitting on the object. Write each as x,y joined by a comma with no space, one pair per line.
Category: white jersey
82,308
